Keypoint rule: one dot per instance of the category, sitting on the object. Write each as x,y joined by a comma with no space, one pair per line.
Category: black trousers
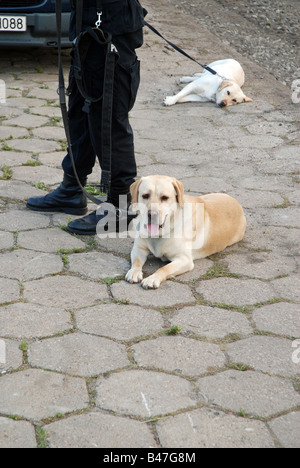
85,129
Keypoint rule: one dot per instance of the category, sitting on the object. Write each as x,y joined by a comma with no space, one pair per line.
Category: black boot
68,197
113,215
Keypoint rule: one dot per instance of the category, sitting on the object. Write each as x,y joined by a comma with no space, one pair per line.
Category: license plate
13,23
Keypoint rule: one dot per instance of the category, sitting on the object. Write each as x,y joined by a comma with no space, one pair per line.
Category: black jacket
119,16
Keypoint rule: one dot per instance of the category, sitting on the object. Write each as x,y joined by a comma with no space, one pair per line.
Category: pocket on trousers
128,85
135,75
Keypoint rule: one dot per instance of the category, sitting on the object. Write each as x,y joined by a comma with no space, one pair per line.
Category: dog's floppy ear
134,190
179,188
224,84
247,99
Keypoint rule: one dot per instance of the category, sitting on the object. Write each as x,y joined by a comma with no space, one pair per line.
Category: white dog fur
224,88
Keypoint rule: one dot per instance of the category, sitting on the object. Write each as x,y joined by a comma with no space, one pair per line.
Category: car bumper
41,32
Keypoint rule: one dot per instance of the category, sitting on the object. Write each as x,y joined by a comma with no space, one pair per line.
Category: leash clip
99,20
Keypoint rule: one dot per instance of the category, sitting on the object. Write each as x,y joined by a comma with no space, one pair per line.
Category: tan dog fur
206,225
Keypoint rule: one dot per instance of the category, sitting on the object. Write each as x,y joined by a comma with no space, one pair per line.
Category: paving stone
278,217
99,430
50,133
43,93
272,237
34,145
261,181
237,292
176,170
17,190
288,287
16,434
206,428
6,240
24,320
287,429
276,164
53,159
9,290
25,265
27,121
257,394
121,322
64,291
257,107
206,185
14,132
23,220
6,111
38,394
25,103
264,265
97,266
78,354
281,318
273,128
265,353
260,141
13,355
211,322
169,293
42,174
14,158
201,267
143,393
118,245
49,240
48,111
178,354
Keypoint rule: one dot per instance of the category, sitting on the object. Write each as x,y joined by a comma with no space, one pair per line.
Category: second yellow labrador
180,228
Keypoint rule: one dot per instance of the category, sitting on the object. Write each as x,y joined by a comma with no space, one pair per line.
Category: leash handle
178,49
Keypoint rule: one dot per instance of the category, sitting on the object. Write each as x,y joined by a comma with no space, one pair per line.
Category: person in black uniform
124,20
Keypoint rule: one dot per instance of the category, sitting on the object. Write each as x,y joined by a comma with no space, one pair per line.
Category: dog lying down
180,228
204,87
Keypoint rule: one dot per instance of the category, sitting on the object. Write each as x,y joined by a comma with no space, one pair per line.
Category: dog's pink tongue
153,229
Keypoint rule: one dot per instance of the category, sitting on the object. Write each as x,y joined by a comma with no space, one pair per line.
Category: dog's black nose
152,216
222,104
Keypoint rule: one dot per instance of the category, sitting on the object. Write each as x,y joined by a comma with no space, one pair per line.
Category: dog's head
157,198
229,94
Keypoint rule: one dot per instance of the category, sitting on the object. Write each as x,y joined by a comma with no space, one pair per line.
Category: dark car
32,23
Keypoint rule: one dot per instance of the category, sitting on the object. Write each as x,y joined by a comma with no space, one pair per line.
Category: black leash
178,49
82,44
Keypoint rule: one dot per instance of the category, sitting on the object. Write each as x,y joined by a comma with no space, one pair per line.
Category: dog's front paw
152,282
170,101
134,276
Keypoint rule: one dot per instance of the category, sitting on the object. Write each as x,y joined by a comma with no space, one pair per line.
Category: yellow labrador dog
179,228
204,87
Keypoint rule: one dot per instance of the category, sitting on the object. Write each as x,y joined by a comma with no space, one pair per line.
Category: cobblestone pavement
211,359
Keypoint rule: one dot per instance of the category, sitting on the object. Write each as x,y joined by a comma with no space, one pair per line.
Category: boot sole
81,233
71,211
